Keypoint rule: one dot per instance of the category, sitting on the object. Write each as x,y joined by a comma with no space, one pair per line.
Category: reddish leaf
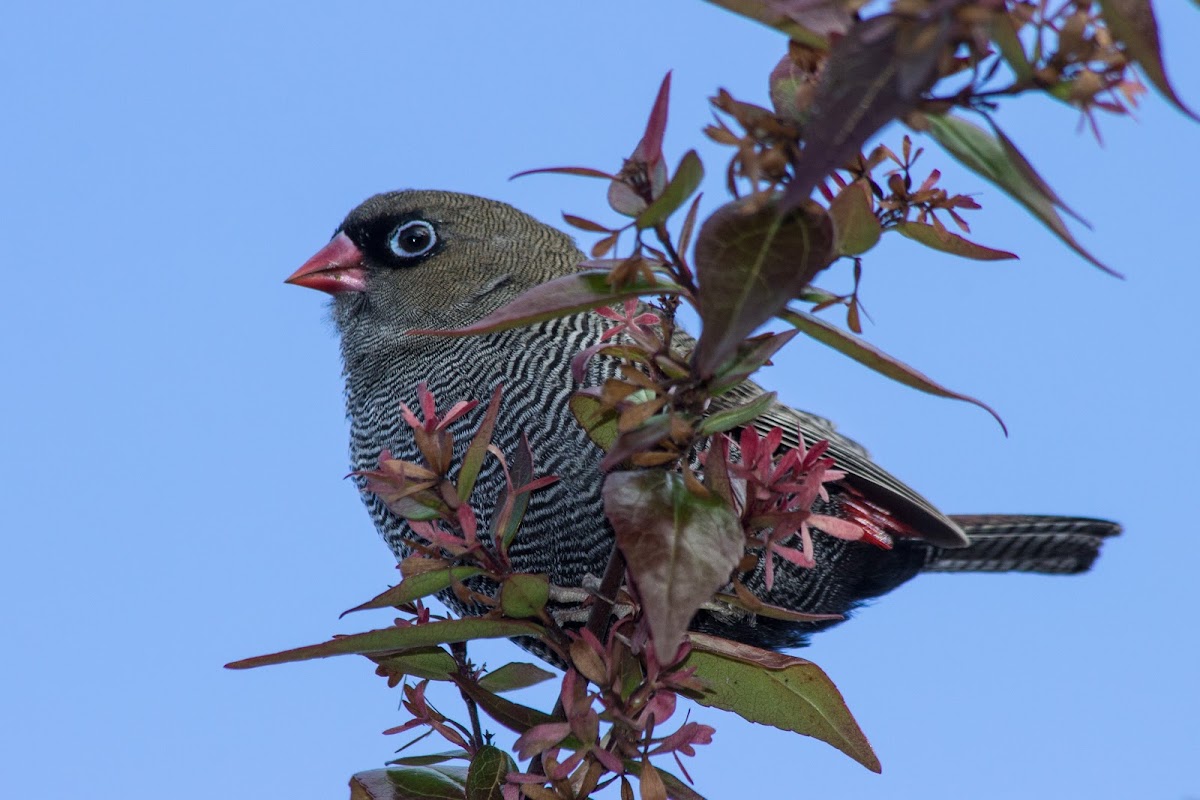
686,738
852,320
638,440
676,789
977,150
875,73
948,242
716,469
680,548
868,355
751,261
585,224
601,248
778,690
387,639
540,738
1132,23
646,160
561,297
585,172
650,784
855,226
587,657
404,489
649,149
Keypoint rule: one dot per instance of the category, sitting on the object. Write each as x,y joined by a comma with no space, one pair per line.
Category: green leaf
751,260
432,663
561,297
680,547
947,242
515,675
398,638
417,586
523,596
751,354
429,759
745,600
856,228
782,691
737,416
1008,42
510,511
686,180
981,152
514,716
596,418
485,778
677,789
868,355
817,296
410,783
1132,23
1023,166
472,461
412,509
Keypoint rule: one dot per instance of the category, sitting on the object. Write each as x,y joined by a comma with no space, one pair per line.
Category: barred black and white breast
428,259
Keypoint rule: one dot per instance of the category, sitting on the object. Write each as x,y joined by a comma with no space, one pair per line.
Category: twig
597,623
682,270
606,595
459,649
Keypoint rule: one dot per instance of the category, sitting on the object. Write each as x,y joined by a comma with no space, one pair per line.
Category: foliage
694,492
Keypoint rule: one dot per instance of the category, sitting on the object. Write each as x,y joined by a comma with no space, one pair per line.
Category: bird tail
1024,543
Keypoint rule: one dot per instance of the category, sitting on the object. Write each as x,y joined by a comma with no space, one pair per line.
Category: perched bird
430,259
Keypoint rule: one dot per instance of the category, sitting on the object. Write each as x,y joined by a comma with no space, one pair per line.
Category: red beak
336,268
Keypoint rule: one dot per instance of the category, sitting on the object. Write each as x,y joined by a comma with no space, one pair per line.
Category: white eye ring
412,239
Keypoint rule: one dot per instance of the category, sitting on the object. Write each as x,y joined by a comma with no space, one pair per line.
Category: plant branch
459,649
606,595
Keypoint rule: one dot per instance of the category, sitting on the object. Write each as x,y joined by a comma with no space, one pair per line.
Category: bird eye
412,239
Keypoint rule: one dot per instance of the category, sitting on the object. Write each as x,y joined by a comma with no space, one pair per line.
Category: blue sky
174,440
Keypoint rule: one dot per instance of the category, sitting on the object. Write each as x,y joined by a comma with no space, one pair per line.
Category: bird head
431,259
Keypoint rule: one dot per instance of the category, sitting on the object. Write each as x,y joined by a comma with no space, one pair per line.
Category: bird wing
875,483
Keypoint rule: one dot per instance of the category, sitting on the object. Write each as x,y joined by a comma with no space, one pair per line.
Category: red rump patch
878,524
